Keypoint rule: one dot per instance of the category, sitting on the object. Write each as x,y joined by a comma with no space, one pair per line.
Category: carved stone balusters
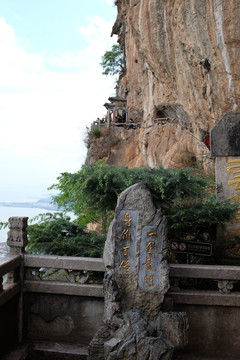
13,276
32,274
17,240
225,286
75,276
17,235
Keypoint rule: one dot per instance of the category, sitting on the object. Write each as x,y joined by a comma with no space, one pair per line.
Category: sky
51,89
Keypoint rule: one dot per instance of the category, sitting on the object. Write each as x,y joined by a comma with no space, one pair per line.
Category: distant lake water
8,211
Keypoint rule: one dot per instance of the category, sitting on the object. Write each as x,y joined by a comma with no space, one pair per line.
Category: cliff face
182,76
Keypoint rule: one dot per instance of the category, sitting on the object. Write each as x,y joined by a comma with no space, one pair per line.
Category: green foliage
113,61
56,234
94,189
3,225
95,131
198,219
184,195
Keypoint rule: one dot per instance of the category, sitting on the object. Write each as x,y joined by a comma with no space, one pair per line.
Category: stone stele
135,284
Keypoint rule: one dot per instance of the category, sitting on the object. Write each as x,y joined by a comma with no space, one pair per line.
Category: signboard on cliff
225,146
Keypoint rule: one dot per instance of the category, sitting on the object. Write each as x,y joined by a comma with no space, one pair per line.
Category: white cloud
110,2
47,100
96,29
13,56
97,36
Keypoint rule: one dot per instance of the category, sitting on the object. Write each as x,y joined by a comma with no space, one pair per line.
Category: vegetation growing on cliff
113,61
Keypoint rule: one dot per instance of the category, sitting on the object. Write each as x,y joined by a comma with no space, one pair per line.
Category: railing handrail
12,287
224,275
64,262
216,272
75,266
9,263
223,272
137,123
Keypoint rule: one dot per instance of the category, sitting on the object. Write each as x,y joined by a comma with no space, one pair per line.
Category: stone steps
58,351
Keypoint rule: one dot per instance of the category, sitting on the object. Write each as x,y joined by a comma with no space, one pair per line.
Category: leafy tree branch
113,61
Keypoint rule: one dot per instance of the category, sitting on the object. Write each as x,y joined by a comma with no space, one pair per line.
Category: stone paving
61,351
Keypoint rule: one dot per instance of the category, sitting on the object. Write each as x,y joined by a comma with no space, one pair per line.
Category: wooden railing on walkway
98,124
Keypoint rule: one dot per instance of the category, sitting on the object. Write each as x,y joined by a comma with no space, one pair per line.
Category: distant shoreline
40,204
3,249
32,205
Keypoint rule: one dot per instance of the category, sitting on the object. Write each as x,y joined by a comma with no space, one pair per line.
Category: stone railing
23,275
76,275
77,271
11,302
224,276
9,268
29,274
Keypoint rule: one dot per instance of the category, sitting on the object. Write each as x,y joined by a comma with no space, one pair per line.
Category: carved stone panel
150,258
17,235
126,237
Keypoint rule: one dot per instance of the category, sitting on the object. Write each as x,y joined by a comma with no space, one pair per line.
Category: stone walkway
196,357
59,351
62,351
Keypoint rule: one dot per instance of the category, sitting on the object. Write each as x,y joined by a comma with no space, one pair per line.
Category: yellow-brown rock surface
182,75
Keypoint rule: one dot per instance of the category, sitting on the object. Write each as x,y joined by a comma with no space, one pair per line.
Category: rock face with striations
182,76
136,328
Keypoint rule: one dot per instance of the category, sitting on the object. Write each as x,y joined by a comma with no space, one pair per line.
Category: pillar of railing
17,240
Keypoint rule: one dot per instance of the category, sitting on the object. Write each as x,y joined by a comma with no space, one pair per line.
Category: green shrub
186,197
95,131
57,234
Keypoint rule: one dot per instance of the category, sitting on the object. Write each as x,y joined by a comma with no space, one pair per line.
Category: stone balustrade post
17,240
17,234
